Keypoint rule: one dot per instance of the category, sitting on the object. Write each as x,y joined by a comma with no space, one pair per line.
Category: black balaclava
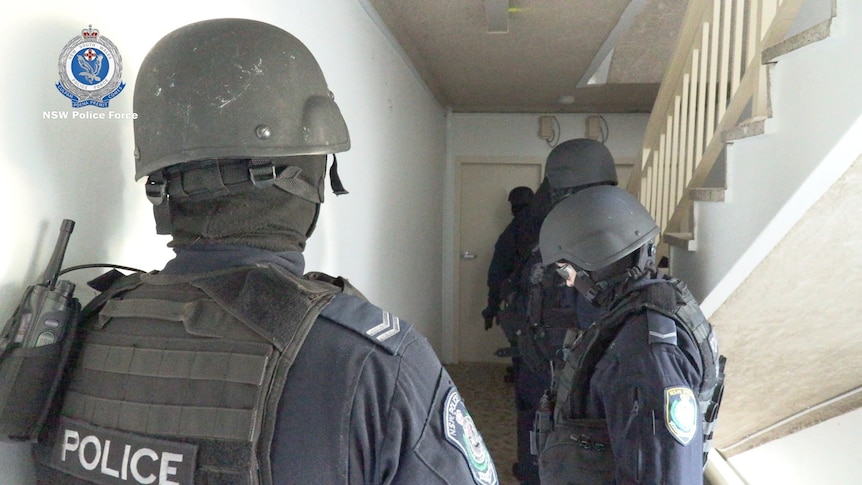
276,218
520,198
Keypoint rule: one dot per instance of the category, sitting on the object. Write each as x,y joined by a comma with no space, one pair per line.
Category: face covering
276,218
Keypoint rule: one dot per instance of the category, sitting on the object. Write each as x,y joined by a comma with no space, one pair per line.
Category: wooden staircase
715,91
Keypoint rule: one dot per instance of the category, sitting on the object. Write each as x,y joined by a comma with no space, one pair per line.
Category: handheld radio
43,314
33,347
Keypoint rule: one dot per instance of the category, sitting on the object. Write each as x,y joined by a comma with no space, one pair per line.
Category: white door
484,212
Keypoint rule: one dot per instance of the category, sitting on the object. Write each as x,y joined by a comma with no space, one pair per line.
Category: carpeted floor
491,402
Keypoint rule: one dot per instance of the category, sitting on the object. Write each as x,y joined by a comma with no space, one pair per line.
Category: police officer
637,400
229,365
505,255
502,265
550,307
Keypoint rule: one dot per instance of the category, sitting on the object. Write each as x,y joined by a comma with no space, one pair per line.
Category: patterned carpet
491,403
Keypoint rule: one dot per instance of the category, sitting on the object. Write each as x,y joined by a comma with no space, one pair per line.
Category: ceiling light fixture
497,16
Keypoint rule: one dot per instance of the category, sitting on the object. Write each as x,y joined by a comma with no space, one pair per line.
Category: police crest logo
461,432
680,412
90,70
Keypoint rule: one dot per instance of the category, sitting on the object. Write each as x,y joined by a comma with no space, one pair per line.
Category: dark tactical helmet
595,228
232,88
580,162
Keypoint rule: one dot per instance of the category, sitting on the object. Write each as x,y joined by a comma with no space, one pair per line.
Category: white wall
827,453
485,135
381,236
516,135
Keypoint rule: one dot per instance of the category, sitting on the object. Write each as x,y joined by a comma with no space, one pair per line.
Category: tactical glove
489,314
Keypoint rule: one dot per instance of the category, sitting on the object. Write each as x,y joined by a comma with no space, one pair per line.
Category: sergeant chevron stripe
390,326
663,336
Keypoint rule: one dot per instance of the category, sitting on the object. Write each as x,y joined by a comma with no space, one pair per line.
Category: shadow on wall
73,163
64,166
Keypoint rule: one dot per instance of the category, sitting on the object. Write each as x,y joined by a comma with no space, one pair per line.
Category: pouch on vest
539,346
510,321
577,452
512,316
31,368
29,377
34,346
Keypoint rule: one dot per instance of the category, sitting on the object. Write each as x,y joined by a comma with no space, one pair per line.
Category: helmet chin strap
646,257
590,289
334,180
214,178
585,285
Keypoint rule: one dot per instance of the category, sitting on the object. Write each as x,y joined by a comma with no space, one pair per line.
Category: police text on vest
113,457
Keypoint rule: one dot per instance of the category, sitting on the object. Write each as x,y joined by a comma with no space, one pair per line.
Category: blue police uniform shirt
647,394
587,313
355,410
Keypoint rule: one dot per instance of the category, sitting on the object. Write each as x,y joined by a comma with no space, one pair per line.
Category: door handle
468,255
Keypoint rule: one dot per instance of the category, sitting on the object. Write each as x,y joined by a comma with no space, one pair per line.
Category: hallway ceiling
548,51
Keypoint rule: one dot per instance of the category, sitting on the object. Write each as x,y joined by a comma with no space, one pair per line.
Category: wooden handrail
713,80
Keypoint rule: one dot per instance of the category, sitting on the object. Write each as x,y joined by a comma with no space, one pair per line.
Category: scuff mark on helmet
248,76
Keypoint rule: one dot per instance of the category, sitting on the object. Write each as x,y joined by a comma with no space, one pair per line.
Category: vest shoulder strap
338,281
269,300
120,285
687,314
665,296
281,308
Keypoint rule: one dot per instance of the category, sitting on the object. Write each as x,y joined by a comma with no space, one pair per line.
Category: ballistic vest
549,314
576,450
178,378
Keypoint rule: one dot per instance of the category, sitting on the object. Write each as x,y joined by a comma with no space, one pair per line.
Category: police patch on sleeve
680,413
462,433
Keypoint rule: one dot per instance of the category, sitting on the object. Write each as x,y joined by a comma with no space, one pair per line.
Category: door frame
451,262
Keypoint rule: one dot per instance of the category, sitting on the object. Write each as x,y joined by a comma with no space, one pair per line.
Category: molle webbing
283,308
574,381
689,315
712,383
670,298
198,360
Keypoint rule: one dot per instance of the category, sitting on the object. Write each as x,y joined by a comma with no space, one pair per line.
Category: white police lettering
91,446
111,457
